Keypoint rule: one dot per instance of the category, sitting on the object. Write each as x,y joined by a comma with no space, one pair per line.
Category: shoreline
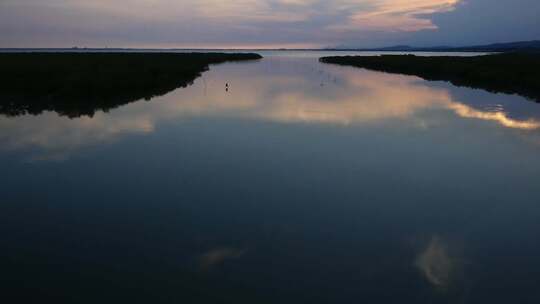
78,84
509,73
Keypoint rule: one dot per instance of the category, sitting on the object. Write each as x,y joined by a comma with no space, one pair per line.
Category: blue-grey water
303,183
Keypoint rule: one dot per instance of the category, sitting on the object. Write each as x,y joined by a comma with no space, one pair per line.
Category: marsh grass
512,73
75,84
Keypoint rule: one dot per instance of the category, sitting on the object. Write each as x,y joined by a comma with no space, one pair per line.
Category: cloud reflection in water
436,264
216,257
278,90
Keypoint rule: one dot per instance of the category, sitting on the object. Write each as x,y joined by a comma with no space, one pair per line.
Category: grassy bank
76,84
511,73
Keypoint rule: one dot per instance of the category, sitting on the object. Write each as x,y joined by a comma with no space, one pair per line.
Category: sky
265,23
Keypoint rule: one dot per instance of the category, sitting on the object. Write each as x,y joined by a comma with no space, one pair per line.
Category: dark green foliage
76,84
512,73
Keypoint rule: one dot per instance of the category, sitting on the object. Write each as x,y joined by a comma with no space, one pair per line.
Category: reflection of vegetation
76,84
505,73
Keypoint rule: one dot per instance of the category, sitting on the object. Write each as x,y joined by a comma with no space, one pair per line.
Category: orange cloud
398,15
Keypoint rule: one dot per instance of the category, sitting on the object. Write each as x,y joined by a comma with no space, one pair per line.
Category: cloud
209,22
400,15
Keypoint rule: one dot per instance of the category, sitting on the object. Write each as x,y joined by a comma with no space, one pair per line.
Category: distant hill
521,46
505,47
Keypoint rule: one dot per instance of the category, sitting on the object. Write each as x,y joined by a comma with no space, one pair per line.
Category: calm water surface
303,183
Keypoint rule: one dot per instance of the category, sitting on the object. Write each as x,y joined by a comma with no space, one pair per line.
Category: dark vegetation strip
75,84
512,73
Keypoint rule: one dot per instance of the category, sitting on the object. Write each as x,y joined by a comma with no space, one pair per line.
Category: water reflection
436,264
280,190
285,90
498,116
218,256
59,136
